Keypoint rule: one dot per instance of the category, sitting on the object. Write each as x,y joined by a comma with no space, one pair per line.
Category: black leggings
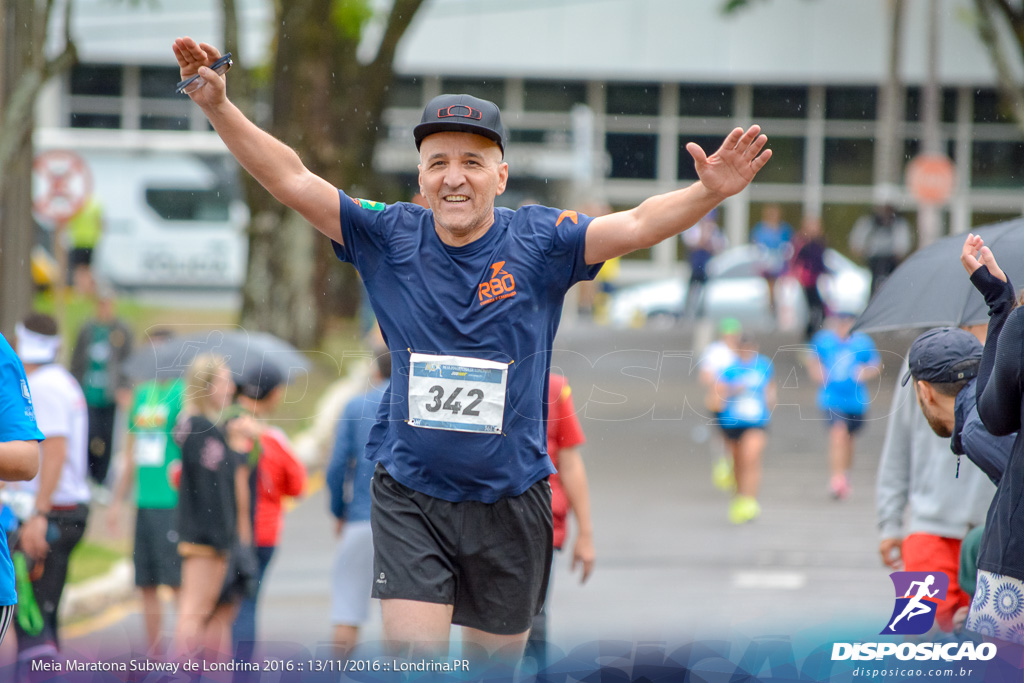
48,589
815,311
101,437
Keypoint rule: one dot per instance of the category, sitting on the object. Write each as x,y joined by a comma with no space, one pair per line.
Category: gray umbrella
241,349
931,288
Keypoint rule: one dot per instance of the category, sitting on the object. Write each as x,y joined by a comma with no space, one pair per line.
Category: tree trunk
888,151
327,106
16,229
23,72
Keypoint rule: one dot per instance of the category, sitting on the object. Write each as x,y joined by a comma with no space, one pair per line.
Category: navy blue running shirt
498,298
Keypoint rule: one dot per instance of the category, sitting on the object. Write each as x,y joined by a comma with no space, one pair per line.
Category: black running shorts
157,562
489,561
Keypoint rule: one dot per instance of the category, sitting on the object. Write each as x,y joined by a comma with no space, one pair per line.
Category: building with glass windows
601,96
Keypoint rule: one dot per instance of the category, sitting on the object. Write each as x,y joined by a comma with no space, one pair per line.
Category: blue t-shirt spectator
348,459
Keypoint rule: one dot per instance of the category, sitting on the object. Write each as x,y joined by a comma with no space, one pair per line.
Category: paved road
670,567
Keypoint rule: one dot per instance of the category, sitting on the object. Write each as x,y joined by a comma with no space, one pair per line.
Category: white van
171,220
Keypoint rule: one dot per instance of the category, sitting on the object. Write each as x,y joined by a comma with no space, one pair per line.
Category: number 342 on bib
457,393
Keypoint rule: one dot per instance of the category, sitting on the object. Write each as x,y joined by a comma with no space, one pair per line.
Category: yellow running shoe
722,475
744,509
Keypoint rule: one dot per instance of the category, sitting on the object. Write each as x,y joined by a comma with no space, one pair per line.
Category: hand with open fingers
734,165
975,255
196,58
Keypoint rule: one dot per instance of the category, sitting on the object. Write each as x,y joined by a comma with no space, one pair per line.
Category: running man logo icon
917,598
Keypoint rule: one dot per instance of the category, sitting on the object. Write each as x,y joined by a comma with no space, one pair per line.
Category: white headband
35,348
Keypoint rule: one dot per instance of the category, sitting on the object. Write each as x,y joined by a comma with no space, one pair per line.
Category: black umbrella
931,288
241,350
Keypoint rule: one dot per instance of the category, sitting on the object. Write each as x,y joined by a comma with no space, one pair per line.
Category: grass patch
89,560
139,317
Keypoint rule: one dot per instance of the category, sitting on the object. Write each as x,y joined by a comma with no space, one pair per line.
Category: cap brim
424,129
906,378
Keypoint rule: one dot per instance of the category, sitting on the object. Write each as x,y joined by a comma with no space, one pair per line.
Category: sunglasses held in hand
193,83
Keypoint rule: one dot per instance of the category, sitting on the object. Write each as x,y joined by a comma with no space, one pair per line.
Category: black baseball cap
257,381
936,356
463,114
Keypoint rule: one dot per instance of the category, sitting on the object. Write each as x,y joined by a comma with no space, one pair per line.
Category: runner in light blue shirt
843,363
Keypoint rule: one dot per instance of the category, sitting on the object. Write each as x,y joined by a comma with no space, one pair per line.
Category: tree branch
1008,86
16,120
1014,18
402,13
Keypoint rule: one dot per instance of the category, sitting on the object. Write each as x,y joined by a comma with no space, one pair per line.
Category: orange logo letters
501,285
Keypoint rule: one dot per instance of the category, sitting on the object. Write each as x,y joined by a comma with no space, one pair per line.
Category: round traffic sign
61,184
930,178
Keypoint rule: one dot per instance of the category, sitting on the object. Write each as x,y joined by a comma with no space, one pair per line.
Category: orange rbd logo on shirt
501,285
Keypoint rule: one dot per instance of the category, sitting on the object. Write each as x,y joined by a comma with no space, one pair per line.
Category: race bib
150,449
747,408
455,393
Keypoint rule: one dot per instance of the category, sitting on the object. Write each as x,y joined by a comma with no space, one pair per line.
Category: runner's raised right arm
272,163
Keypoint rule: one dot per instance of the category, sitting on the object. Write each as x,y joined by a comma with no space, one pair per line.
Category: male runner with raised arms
468,297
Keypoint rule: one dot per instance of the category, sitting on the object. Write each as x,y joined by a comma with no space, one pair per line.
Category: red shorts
928,553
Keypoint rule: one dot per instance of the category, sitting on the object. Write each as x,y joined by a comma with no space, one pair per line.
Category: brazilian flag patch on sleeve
370,205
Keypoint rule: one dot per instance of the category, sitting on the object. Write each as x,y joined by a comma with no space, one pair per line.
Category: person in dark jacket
807,266
997,610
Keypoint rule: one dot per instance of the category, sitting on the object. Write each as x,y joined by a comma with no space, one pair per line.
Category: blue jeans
243,633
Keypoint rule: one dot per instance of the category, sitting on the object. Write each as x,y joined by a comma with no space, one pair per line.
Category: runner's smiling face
460,175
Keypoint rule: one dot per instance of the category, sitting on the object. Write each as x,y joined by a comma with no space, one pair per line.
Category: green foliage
350,16
733,6
730,6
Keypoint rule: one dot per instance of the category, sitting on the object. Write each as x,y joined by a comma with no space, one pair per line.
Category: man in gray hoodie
917,469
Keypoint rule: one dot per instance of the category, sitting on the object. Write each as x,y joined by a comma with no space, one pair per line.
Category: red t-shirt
279,474
564,431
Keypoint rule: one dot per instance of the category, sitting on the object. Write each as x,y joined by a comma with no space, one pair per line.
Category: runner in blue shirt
843,364
19,457
774,240
746,392
468,297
